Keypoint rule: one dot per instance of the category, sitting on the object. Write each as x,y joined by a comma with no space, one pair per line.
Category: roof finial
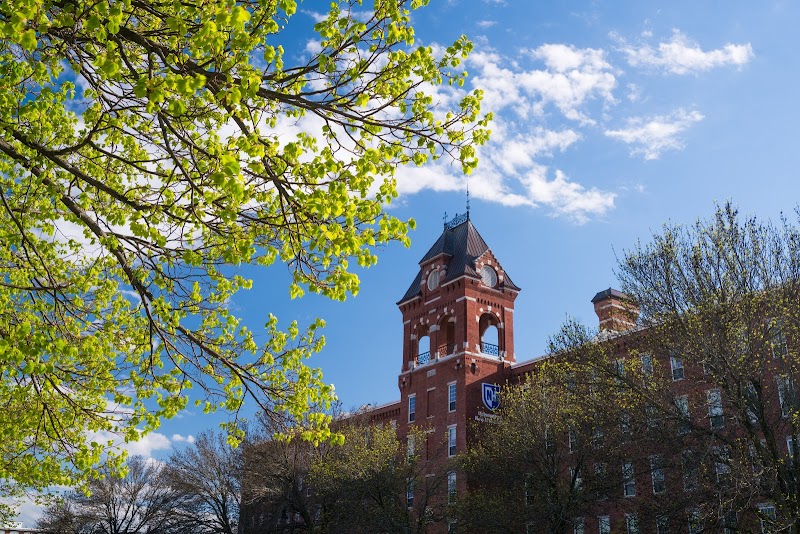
467,197
444,219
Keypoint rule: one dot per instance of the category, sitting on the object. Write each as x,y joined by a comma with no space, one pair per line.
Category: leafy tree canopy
146,150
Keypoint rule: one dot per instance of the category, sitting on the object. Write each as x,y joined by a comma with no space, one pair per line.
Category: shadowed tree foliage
369,483
148,147
720,300
374,483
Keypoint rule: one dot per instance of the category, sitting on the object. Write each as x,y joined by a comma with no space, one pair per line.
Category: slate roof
463,244
610,293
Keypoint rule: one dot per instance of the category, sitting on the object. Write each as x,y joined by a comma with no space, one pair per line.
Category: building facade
458,350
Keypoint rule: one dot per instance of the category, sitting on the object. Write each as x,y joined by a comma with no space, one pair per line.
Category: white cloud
177,438
571,77
682,55
154,441
634,93
315,15
486,23
652,136
28,512
510,175
565,197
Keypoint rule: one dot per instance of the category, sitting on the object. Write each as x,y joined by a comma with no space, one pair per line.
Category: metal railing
490,349
444,350
424,357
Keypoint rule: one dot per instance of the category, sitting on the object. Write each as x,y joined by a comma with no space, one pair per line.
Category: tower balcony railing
441,352
490,348
445,350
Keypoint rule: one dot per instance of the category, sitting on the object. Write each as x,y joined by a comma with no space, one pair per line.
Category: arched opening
423,349
490,335
447,337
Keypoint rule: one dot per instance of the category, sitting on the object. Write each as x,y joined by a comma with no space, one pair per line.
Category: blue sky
610,120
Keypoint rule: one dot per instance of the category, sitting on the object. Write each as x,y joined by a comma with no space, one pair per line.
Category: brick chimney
615,310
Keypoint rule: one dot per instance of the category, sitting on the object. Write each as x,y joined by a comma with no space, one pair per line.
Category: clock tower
458,342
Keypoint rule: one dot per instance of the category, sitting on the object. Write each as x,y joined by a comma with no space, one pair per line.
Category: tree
554,451
206,479
370,483
374,483
275,495
719,302
146,151
140,502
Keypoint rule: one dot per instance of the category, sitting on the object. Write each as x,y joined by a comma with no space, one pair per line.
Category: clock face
433,280
488,276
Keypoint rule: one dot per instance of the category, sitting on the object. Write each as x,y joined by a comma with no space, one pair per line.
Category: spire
467,197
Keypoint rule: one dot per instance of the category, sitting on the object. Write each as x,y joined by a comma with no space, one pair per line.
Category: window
653,419
600,472
571,384
549,444
722,466
578,526
412,408
410,492
619,368
452,491
628,480
657,474
631,524
777,340
730,523
790,449
575,477
752,403
682,407
451,527
410,448
625,424
572,437
676,363
695,522
451,397
662,524
647,365
785,394
690,470
451,441
530,528
597,438
604,525
767,516
528,490
714,401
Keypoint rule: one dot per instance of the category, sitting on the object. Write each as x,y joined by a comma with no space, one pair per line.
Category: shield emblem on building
490,395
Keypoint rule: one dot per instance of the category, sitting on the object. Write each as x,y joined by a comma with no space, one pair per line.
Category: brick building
458,341
458,349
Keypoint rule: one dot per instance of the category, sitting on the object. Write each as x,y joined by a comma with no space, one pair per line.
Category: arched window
490,338
424,349
446,337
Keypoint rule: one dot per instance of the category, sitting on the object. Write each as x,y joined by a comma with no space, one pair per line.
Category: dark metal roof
463,245
606,293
